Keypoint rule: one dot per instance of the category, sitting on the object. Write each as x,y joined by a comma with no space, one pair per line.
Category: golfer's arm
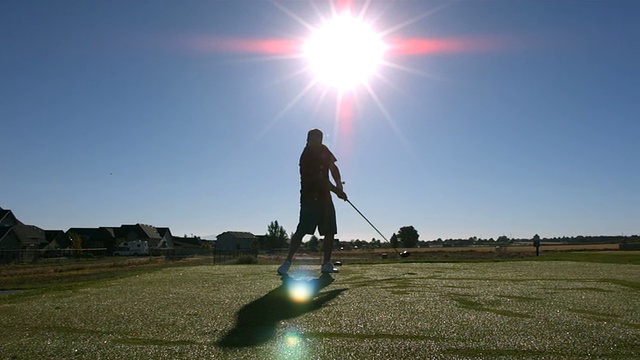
335,173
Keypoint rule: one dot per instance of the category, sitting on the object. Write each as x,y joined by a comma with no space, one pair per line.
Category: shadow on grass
257,321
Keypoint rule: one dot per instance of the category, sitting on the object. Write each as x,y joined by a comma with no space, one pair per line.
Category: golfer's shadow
257,321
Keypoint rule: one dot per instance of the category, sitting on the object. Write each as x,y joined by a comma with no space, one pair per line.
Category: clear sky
120,112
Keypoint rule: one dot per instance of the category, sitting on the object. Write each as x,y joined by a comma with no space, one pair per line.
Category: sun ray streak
364,9
334,50
416,19
321,98
246,45
417,46
388,82
393,65
375,19
314,5
337,130
264,59
286,109
390,120
292,75
343,5
334,10
419,73
292,15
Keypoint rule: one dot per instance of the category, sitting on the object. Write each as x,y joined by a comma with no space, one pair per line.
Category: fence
220,256
23,256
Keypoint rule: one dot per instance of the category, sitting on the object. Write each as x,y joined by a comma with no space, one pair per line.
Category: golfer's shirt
314,173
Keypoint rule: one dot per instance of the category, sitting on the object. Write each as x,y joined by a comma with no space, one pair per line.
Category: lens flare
292,346
292,339
301,291
347,52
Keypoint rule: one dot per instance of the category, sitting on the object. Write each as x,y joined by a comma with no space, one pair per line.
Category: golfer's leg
329,230
327,248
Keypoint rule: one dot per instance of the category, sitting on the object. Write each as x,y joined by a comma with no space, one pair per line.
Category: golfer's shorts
317,214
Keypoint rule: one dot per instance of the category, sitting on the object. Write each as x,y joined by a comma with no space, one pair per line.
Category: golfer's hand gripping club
339,191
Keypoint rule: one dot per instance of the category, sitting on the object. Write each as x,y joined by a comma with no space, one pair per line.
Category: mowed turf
524,309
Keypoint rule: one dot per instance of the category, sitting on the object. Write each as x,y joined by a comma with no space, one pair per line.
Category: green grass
611,257
462,256
69,272
517,309
45,274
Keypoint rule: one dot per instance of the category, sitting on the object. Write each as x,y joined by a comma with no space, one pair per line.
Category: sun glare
344,52
301,291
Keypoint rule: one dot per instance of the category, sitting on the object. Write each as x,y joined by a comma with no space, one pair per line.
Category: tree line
278,238
504,240
408,237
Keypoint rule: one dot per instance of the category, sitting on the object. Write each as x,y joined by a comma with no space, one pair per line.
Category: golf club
402,254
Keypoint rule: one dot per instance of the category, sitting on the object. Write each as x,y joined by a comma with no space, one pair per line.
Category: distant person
316,206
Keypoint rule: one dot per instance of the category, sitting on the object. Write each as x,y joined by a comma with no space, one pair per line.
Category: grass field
506,309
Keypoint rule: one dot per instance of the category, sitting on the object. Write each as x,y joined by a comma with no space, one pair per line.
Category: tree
276,236
394,240
313,243
536,243
536,240
408,235
76,241
359,244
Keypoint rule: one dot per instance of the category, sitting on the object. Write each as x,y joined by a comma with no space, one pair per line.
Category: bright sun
344,52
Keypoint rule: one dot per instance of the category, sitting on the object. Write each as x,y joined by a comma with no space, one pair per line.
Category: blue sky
112,114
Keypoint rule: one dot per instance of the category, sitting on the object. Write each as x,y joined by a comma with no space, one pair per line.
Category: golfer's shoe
328,268
284,268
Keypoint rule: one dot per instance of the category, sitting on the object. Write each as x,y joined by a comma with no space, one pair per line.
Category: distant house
110,237
187,242
4,239
7,219
22,236
16,235
236,240
57,239
166,238
263,242
20,242
95,238
158,238
7,222
142,232
30,236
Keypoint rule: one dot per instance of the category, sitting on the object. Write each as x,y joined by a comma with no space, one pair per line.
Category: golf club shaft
375,228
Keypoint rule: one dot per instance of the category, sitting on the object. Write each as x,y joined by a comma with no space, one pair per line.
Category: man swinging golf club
316,206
